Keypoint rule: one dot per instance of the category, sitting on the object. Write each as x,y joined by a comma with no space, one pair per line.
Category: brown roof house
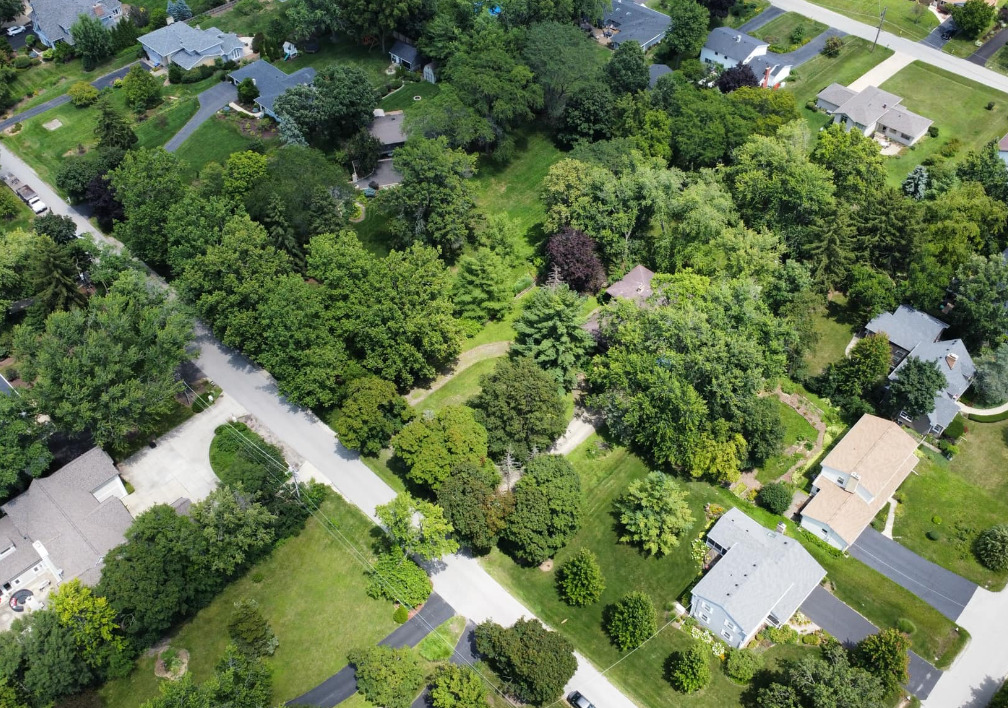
64,524
858,477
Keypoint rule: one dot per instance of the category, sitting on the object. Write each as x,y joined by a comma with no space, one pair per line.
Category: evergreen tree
53,279
112,129
482,287
549,330
915,185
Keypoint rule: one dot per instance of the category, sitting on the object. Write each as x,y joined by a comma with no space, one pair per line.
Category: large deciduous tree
473,505
235,530
981,295
631,621
627,69
736,77
885,655
536,662
418,527
368,19
826,680
558,53
972,17
992,376
339,102
854,160
654,513
913,389
688,31
431,447
547,510
572,253
23,450
370,415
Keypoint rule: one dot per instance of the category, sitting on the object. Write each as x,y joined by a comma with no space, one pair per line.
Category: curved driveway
210,101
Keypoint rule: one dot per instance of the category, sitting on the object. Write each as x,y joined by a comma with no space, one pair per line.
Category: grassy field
403,99
905,19
214,141
958,108
835,331
779,29
796,430
312,591
460,388
372,60
49,79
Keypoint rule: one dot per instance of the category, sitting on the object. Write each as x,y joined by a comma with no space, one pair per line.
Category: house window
730,625
726,634
707,608
704,617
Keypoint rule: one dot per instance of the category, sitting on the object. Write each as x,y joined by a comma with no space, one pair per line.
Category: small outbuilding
406,55
635,285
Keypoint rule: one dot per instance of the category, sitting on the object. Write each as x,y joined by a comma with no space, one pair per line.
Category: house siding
717,620
823,532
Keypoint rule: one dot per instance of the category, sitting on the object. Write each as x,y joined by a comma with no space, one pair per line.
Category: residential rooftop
637,23
732,43
907,327
271,81
635,285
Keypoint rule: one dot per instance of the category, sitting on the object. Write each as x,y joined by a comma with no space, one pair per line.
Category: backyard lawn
312,591
797,430
958,108
460,388
779,29
214,141
405,98
372,60
835,331
904,19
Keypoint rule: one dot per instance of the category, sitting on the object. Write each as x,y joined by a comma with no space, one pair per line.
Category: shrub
22,62
580,580
250,631
688,671
991,547
1000,699
784,634
175,73
457,687
401,615
956,428
538,662
933,535
631,620
395,577
832,47
247,91
742,665
906,626
82,94
933,131
990,105
936,520
386,677
775,497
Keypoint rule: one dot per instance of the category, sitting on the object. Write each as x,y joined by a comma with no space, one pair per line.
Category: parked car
16,29
577,700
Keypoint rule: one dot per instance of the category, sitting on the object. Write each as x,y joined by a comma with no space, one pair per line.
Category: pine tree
916,183
549,330
112,129
280,231
829,252
53,280
482,289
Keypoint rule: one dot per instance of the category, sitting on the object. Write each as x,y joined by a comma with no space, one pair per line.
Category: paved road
934,40
985,52
942,589
849,627
761,19
210,101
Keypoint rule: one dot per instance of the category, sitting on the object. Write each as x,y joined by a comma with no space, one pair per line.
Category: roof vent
951,359
738,39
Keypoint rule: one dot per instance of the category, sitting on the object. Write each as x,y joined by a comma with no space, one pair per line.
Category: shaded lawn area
178,415
22,218
214,141
835,330
779,29
373,231
958,108
460,388
796,430
311,590
51,79
902,19
403,99
941,491
343,51
742,12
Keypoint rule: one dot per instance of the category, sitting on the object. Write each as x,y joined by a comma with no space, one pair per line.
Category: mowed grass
312,592
797,430
372,60
460,388
835,331
51,79
779,29
405,98
999,62
958,108
214,141
904,19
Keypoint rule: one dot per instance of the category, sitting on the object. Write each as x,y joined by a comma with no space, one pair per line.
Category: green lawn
246,18
50,79
958,108
312,591
214,141
960,47
999,62
460,388
22,219
343,51
905,19
404,98
779,29
796,430
440,644
835,331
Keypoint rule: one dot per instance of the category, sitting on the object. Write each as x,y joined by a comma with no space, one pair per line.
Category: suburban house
387,128
858,477
63,525
270,81
629,22
52,19
727,48
871,111
758,577
178,43
656,71
406,55
635,285
906,328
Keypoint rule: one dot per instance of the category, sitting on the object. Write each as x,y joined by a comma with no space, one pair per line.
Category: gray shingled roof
188,46
406,52
635,285
656,71
55,17
636,23
733,44
837,94
906,122
762,572
22,558
953,360
270,81
388,128
866,107
907,327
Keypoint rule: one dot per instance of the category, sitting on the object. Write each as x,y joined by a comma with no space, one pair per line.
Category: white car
16,29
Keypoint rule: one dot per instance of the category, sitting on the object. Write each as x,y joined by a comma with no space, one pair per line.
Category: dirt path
465,360
801,406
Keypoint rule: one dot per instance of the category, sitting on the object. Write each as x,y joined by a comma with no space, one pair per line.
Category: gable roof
17,554
406,52
837,94
1003,146
762,572
635,285
188,46
55,17
956,364
271,81
636,23
866,107
62,513
899,118
656,71
733,44
907,327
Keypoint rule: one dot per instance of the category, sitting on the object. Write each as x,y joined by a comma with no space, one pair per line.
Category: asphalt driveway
210,101
934,39
761,19
991,46
943,590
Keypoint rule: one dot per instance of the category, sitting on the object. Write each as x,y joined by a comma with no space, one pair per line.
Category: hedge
992,418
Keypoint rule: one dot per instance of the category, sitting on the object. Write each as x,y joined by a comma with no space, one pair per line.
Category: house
64,524
656,71
51,20
635,285
178,43
906,328
270,81
387,128
728,48
1003,149
956,365
430,72
627,21
758,577
406,55
871,111
858,477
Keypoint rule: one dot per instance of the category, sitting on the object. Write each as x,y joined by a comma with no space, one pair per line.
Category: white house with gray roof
190,47
871,111
63,524
270,81
727,48
759,577
628,21
52,19
956,365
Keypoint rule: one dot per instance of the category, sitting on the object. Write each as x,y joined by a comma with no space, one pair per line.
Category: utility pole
881,20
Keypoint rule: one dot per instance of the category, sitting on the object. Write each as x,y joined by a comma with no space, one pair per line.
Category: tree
456,686
434,203
631,621
587,114
627,69
1000,699
572,254
826,680
870,292
61,229
972,17
688,31
775,497
47,664
250,631
867,364
431,447
10,9
92,623
742,664
547,510
370,415
472,504
417,527
387,677
832,48
915,185
521,408
885,655
396,577
763,429
688,670
534,662
142,91
375,18
91,40
981,294
854,160
363,150
22,443
235,530
913,389
179,10
549,332
243,171
339,102
654,513
987,168
736,77
53,278
992,376
109,369
482,288
239,680
82,94
557,53
991,547
580,579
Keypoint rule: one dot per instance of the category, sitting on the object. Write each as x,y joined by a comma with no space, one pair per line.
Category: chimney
951,359
766,78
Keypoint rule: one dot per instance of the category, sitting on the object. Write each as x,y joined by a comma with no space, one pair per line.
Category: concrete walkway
877,74
581,427
890,520
970,410
210,101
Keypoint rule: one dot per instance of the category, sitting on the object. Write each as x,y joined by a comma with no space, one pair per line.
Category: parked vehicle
16,29
577,700
28,195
